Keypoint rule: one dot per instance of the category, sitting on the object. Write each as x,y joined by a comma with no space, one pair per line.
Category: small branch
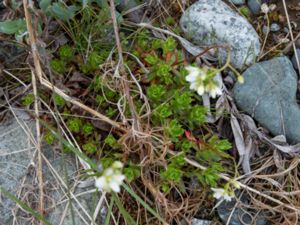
291,33
266,37
36,109
116,30
136,124
39,150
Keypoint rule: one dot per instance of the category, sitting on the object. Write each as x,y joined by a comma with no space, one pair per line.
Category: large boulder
18,176
212,22
269,95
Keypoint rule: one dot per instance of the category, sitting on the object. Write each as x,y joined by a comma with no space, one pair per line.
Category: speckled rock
212,22
254,6
17,169
16,151
269,95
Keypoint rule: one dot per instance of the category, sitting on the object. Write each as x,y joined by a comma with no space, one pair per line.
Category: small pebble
265,29
286,30
274,27
238,2
200,222
254,6
294,61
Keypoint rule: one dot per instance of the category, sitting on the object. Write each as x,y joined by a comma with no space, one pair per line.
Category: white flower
195,74
200,82
264,8
220,193
213,90
111,179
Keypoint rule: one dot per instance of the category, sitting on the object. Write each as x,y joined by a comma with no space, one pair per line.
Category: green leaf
88,129
164,72
197,114
172,174
90,147
151,59
169,45
63,12
174,129
49,138
178,160
74,124
111,141
58,100
45,5
132,172
163,111
28,99
186,145
181,100
156,92
66,52
58,65
13,26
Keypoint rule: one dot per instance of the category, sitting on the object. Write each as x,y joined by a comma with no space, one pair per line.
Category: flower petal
200,90
227,198
193,86
114,186
101,182
218,192
192,77
213,93
119,178
108,172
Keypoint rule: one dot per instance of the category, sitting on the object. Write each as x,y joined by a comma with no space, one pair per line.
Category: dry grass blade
47,84
291,33
38,141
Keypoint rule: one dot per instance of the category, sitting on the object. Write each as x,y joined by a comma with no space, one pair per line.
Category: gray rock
294,61
238,2
274,27
239,216
269,95
13,165
17,169
254,6
212,22
200,222
286,30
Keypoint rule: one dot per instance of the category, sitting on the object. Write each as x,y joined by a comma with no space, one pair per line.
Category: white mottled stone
212,22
